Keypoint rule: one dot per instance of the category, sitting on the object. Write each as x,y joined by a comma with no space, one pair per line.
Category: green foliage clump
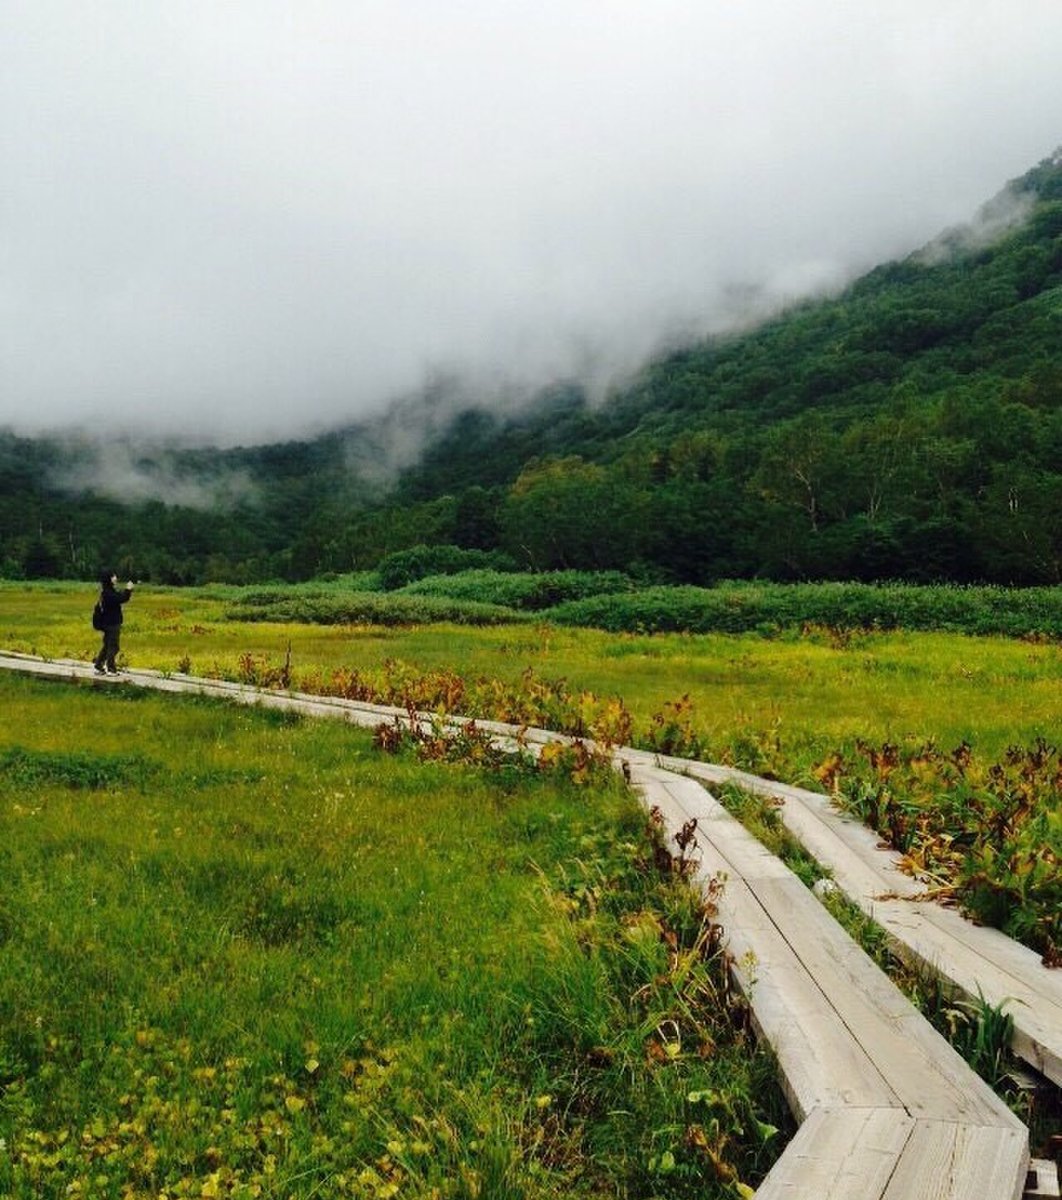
765,607
990,833
522,589
82,770
672,730
406,566
367,608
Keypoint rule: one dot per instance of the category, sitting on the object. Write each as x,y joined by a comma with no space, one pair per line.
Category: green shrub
273,593
745,607
369,608
523,590
405,566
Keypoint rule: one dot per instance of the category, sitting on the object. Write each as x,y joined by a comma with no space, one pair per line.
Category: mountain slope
909,427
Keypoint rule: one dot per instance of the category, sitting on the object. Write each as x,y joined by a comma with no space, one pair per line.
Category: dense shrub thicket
406,566
522,590
740,607
368,608
608,601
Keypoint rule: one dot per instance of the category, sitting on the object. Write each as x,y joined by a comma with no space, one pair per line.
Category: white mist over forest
235,223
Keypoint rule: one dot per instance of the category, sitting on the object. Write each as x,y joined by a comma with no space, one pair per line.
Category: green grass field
944,742
810,693
250,955
920,732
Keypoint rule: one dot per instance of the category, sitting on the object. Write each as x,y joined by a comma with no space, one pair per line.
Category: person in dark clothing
111,601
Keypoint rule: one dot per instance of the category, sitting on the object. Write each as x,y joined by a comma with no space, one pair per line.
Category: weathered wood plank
748,857
787,1005
971,1145
811,815
923,935
919,1066
946,1161
931,1079
977,961
848,1154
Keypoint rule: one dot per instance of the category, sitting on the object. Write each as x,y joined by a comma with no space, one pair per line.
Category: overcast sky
246,218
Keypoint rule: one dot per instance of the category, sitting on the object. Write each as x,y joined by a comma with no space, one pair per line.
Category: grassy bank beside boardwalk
808,688
248,955
945,742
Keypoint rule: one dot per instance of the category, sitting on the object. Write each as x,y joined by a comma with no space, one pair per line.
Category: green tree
566,513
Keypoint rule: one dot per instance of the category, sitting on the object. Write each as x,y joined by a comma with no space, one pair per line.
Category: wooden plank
1043,1180
811,815
1024,973
804,810
822,1063
946,1161
916,1062
919,1066
747,856
788,1008
851,851
976,960
848,1154
1011,958
931,1079
924,936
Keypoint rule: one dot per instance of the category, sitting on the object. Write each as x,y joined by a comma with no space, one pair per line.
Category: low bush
271,593
522,590
746,607
367,608
405,566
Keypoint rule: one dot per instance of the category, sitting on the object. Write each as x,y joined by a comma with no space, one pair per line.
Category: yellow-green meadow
809,691
251,955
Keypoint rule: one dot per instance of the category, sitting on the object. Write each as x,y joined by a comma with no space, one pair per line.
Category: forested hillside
910,428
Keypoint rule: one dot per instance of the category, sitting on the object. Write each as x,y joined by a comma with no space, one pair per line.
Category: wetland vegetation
391,976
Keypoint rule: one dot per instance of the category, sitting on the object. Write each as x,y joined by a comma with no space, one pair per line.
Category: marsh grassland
808,690
945,742
248,955
251,956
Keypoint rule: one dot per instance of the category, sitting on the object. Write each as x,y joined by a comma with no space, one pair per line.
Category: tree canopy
908,428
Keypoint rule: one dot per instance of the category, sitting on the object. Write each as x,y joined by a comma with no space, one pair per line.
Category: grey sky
245,219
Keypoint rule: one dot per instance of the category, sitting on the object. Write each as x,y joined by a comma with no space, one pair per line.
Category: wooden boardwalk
887,1110
976,960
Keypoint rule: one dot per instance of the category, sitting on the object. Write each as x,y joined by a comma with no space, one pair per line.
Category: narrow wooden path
977,961
887,1110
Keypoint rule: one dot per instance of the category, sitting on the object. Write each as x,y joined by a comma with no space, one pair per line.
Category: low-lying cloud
245,221
136,473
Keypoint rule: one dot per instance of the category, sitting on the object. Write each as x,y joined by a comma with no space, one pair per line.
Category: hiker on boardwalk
109,623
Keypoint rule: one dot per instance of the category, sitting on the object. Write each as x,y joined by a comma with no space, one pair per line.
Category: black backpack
97,615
